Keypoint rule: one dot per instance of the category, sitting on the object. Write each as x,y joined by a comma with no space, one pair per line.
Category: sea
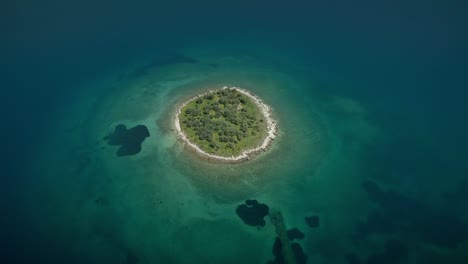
370,163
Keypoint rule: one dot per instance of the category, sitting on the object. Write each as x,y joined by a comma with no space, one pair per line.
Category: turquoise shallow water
371,133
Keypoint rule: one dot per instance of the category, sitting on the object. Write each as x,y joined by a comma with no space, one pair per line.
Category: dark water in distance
405,62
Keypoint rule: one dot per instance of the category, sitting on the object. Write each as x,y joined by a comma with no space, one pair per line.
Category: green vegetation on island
224,123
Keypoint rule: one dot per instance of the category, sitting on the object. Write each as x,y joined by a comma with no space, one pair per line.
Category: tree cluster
221,117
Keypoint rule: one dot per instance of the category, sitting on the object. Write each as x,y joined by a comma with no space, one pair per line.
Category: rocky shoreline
272,130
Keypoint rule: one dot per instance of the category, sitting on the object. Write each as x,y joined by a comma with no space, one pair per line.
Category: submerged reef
398,213
129,140
252,212
299,256
295,233
284,250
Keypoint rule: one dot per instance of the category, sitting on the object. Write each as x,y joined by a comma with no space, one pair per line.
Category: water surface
370,103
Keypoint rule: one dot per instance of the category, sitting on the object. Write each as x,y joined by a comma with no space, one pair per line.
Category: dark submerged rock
277,251
129,140
295,233
252,212
312,221
442,229
251,202
399,213
372,189
300,256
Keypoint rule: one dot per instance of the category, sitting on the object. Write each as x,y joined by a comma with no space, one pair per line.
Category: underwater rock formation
299,256
295,233
399,213
252,212
277,220
129,140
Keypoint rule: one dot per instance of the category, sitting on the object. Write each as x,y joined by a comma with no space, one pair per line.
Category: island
227,125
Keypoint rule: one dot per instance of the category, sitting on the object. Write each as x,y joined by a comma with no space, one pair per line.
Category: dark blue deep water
381,85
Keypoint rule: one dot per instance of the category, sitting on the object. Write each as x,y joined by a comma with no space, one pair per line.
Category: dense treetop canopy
224,122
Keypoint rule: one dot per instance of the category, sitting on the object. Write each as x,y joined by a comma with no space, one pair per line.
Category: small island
227,125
